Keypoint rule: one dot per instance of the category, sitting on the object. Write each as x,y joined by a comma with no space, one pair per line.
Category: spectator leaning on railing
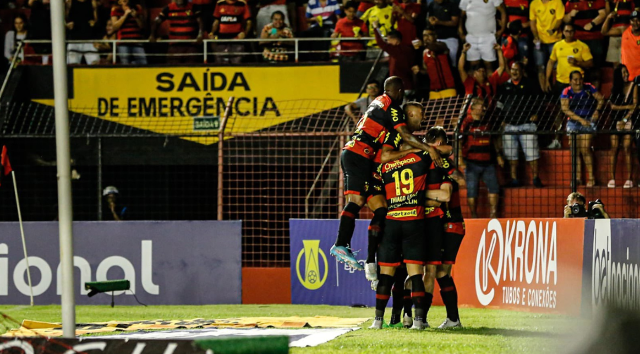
349,27
587,17
517,99
128,21
444,16
184,24
82,17
276,51
615,23
104,48
435,64
579,105
13,38
266,10
570,54
231,19
205,8
545,17
624,101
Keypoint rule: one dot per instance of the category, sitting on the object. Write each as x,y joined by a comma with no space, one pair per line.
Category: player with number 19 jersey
405,183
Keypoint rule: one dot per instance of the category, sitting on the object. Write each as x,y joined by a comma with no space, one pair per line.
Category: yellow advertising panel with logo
191,101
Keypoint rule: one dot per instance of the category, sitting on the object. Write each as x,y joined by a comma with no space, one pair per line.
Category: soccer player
454,231
382,116
403,236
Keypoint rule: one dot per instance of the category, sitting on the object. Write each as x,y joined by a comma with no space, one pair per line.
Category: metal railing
205,45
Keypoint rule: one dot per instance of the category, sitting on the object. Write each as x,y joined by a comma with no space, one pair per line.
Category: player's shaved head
394,88
415,114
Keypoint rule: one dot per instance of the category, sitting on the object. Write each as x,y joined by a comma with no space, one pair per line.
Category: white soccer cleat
419,325
377,324
371,271
407,321
450,324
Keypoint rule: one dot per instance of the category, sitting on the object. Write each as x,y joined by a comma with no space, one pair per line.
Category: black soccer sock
347,224
428,299
383,293
398,301
408,303
375,233
417,296
449,295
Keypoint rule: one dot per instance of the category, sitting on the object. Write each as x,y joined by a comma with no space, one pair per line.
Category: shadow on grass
488,331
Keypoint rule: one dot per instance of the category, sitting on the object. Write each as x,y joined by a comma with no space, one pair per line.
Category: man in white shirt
478,28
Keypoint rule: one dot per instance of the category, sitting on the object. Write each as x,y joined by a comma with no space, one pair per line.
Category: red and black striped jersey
405,183
381,117
130,28
517,10
436,177
183,21
587,11
453,209
477,145
232,17
624,8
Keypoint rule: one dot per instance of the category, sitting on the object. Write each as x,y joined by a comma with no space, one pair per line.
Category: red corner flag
5,165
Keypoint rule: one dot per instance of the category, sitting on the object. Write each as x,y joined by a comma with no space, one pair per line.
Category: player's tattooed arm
413,141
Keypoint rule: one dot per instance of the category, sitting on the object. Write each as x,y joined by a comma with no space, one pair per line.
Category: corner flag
5,165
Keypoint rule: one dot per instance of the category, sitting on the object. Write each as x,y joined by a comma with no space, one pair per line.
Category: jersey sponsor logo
403,213
394,114
399,163
312,251
228,19
524,253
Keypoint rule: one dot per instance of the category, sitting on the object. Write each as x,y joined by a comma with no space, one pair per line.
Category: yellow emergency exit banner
191,100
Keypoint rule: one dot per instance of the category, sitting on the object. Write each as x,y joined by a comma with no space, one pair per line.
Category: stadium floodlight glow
96,287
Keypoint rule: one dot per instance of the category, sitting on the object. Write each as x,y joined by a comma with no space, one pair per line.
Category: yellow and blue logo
311,251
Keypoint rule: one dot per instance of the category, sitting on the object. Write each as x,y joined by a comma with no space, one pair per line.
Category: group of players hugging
417,225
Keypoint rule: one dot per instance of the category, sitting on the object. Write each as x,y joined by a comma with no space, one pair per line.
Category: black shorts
402,239
359,175
434,236
453,235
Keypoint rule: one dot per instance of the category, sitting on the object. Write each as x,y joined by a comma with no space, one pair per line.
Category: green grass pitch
486,331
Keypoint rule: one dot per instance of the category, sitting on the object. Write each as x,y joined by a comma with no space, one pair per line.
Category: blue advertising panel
611,257
167,262
316,277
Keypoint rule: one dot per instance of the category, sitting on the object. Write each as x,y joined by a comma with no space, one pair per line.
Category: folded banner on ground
49,329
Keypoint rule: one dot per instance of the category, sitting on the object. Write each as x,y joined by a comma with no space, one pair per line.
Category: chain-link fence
285,164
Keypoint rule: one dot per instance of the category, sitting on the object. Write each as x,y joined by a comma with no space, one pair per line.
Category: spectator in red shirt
349,27
401,56
405,15
231,20
478,84
128,20
435,64
184,23
512,49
